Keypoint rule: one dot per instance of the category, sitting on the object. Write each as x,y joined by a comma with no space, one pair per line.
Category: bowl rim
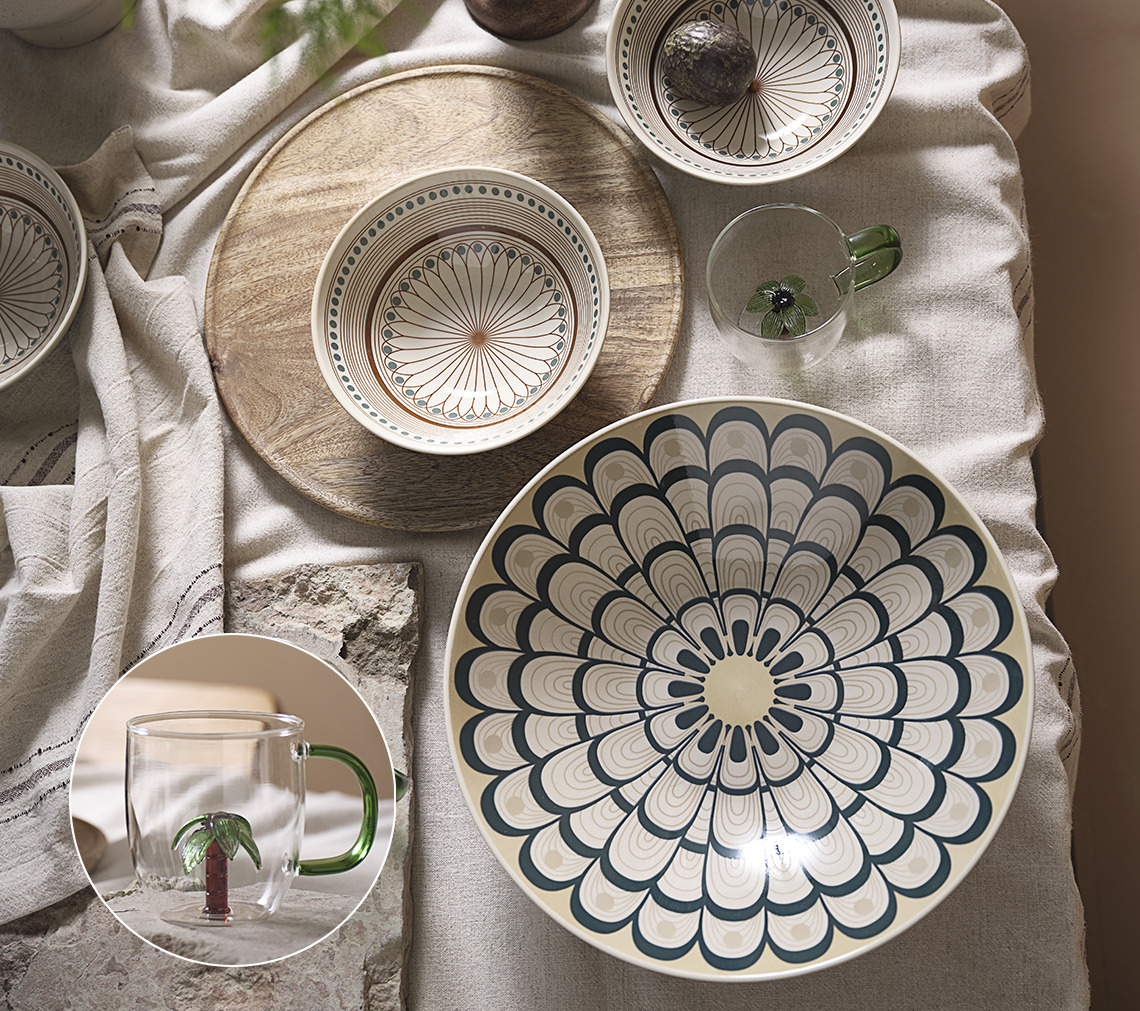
896,928
65,319
458,173
890,16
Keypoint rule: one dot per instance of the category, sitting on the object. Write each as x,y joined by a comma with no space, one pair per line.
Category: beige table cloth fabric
111,525
939,356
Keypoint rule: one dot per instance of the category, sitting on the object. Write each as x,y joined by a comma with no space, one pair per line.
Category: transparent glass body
773,242
183,768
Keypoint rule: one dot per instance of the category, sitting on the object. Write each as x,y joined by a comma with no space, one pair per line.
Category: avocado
709,62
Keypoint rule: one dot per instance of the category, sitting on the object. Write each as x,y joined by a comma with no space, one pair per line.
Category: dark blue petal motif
734,684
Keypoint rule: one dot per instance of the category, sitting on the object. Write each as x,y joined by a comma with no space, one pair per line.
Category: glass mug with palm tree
781,278
215,804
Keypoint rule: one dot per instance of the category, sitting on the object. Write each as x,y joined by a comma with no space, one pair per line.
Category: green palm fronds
228,830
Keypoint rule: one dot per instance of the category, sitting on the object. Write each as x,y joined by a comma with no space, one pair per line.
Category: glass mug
797,248
216,804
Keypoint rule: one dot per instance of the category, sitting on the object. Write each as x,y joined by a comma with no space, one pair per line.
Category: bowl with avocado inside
820,76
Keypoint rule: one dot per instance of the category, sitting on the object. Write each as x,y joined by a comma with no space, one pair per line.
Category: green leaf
226,832
372,45
194,850
245,837
770,326
807,303
794,322
402,782
242,823
182,831
760,302
794,282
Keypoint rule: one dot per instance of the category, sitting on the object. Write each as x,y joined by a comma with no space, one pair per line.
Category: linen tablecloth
939,356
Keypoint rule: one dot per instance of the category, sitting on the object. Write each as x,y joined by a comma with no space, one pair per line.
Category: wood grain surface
317,176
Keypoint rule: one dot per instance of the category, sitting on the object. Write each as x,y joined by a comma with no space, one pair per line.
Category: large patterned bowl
460,310
43,260
739,689
824,71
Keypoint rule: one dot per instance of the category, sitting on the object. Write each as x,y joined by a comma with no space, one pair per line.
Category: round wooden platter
317,176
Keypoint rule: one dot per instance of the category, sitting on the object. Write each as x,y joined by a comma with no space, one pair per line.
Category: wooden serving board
317,176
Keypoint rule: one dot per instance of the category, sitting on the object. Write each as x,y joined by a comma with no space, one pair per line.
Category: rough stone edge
377,989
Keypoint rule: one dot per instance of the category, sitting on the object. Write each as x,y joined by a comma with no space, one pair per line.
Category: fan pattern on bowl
460,310
31,278
802,65
476,328
738,688
824,71
43,264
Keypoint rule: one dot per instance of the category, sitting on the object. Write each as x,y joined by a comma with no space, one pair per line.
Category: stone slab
302,920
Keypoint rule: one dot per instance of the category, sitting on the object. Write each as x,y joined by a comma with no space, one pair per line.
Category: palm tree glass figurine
215,838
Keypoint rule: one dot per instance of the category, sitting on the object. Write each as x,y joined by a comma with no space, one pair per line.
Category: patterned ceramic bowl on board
461,310
824,71
43,260
738,689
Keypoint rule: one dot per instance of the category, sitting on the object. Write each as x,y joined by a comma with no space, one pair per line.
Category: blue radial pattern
739,685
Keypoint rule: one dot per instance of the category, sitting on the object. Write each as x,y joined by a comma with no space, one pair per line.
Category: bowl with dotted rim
43,260
738,689
824,71
460,310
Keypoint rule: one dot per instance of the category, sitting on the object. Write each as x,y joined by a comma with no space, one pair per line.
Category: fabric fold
119,554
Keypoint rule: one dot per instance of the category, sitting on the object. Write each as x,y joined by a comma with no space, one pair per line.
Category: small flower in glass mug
785,307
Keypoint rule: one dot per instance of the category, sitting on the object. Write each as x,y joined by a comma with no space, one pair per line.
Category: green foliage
228,830
326,26
326,29
785,307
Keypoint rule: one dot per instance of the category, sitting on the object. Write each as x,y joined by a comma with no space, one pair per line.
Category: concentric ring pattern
461,310
739,689
824,68
42,260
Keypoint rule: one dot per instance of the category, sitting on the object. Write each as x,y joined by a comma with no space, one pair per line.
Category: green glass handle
359,849
876,251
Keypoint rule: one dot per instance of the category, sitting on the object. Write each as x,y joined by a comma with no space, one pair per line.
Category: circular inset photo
233,799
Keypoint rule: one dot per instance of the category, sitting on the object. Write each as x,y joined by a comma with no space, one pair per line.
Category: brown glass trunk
217,882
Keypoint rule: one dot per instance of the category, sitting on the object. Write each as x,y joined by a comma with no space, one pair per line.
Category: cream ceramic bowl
461,310
824,71
61,24
43,260
738,689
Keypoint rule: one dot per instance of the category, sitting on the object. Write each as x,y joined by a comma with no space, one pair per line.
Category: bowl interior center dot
739,690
